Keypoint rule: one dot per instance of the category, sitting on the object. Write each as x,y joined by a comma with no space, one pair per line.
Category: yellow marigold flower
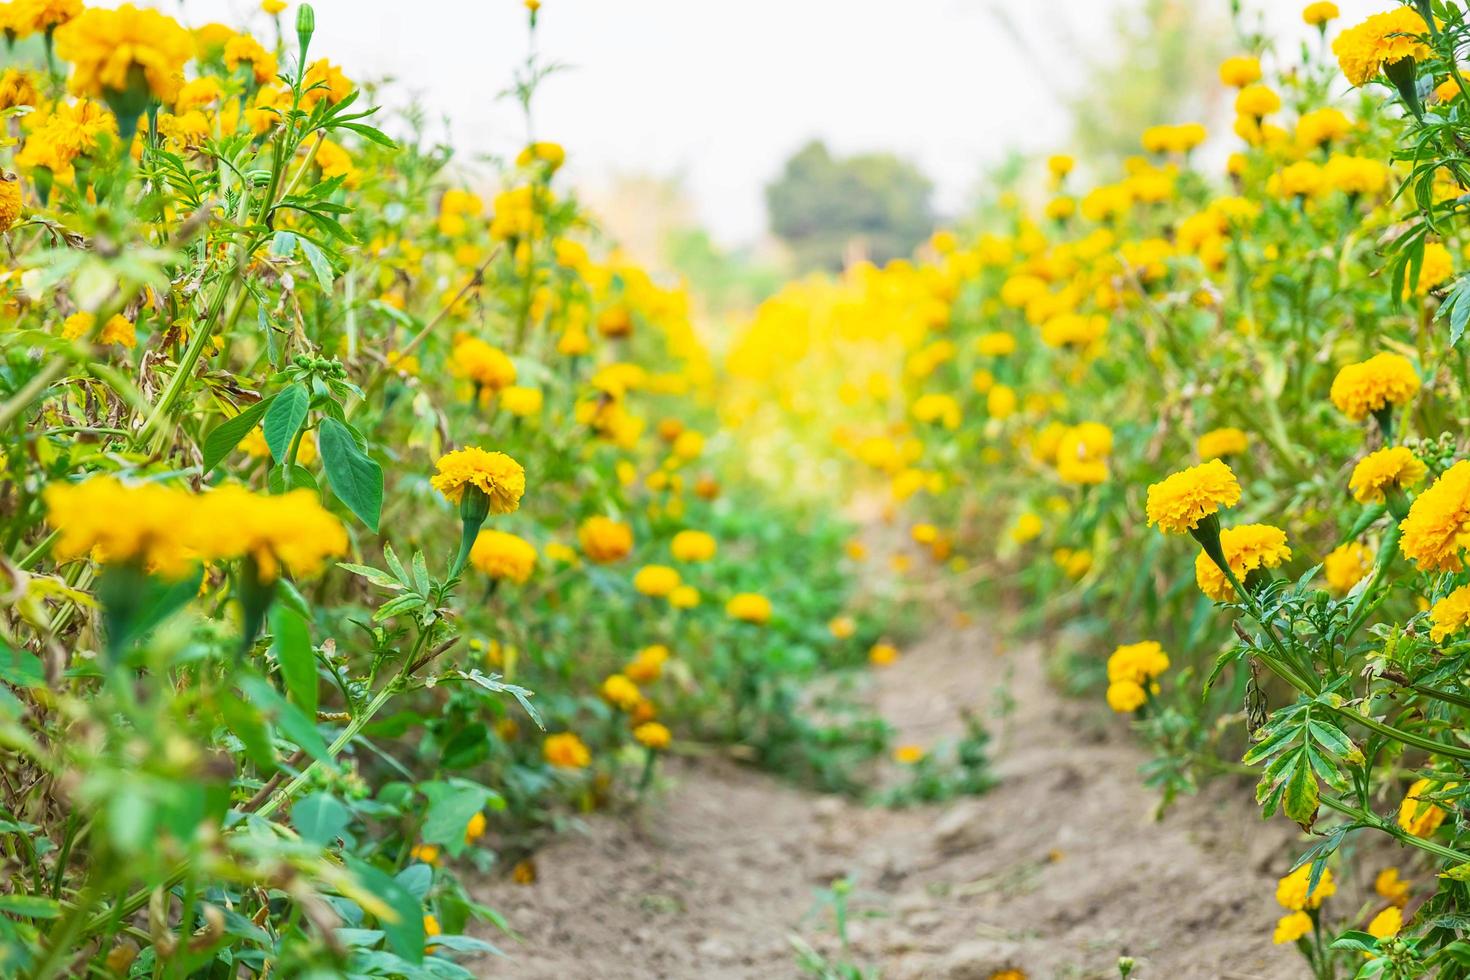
1434,527
1180,501
1028,527
647,664
684,597
475,828
112,522
550,155
1357,176
656,580
688,446
1387,923
38,16
1240,71
1060,208
909,755
1380,41
292,530
486,366
1074,331
118,330
110,49
749,607
1291,891
1322,126
324,80
996,343
1257,101
1082,453
565,751
1386,469
1438,267
1319,13
273,7
1346,565
501,555
520,401
77,326
1247,548
1219,443
11,203
936,407
496,475
1390,887
621,692
653,735
1301,179
524,873
1450,615
427,853
1137,662
882,654
842,627
1126,696
1419,816
605,540
693,546
1293,926
1060,165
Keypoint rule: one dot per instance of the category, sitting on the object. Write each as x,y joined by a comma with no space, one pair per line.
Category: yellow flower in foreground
292,530
1346,565
1180,501
1434,527
115,51
693,546
566,751
1219,443
1450,615
1387,469
496,475
1418,816
114,522
1247,548
1292,927
1291,891
1375,384
618,690
605,540
653,735
749,607
501,555
1380,41
656,580
1387,923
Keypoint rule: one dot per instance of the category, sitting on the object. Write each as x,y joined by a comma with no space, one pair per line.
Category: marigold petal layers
1433,531
1179,502
496,475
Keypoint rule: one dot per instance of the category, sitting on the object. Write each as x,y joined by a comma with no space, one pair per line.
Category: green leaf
356,478
406,930
369,133
245,722
451,805
291,645
292,723
223,438
284,418
30,906
318,262
1301,799
300,478
320,818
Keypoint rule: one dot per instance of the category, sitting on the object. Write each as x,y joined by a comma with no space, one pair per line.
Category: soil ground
1057,871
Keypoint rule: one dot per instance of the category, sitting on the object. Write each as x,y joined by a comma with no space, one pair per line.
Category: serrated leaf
356,479
223,438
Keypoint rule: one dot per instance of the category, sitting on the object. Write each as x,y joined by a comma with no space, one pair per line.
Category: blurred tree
829,210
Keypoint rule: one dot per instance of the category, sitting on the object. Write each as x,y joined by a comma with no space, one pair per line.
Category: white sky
719,92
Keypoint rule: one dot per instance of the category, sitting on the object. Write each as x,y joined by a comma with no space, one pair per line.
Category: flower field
370,526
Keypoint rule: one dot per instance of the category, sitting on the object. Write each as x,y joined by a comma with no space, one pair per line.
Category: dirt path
1057,871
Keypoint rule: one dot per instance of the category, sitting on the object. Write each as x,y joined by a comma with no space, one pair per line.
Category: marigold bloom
1346,565
693,546
749,607
324,80
1219,443
647,664
909,755
1387,923
605,540
1450,615
1257,101
1291,927
113,522
1291,891
1380,41
496,475
1369,386
520,401
1082,453
486,366
1319,13
550,155
1419,816
1180,501
1126,696
621,692
1433,531
882,654
501,555
1240,71
242,49
656,580
842,627
1390,887
565,751
1137,662
106,48
684,597
291,530
1247,548
1028,527
1386,469
996,343
11,203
